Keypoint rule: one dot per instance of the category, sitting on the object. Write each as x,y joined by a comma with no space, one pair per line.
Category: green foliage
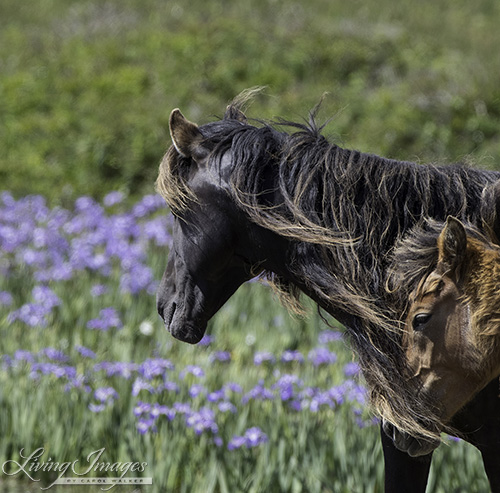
87,86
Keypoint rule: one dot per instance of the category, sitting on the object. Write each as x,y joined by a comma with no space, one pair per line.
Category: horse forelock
171,182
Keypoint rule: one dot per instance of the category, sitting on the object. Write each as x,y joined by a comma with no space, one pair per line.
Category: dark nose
166,289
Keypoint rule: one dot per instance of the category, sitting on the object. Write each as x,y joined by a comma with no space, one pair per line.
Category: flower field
265,402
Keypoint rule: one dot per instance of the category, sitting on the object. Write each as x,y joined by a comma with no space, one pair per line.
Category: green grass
87,87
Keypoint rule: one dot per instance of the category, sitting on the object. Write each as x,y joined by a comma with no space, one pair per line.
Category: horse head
211,255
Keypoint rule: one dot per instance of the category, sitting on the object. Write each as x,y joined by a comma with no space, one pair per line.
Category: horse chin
188,333
414,447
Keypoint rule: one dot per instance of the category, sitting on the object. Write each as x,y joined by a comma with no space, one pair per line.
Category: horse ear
186,136
233,113
452,244
490,211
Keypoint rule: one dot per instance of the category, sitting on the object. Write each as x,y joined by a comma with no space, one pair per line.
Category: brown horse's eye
420,320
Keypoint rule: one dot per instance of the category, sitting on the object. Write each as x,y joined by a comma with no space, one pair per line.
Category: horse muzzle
413,446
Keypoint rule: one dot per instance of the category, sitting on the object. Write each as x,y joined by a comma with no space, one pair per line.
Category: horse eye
420,320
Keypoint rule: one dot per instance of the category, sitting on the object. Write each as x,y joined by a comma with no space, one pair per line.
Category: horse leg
491,460
480,423
402,472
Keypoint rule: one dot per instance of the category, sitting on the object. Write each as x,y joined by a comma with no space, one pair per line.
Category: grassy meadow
266,402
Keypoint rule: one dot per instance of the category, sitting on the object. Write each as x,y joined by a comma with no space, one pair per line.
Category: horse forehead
430,285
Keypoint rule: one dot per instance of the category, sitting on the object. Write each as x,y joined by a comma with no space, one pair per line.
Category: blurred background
268,402
86,87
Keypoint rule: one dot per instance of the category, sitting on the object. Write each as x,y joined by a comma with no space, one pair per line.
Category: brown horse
452,325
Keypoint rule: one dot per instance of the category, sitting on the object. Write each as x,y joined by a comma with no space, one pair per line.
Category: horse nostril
161,310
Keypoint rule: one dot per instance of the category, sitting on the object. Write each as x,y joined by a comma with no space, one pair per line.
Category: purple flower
263,356
108,318
255,436
226,406
297,405
202,420
38,369
139,277
145,424
78,382
105,394
31,314
216,396
154,367
169,387
206,340
98,290
236,442
113,198
351,369
349,391
140,384
148,205
23,355
286,386
322,356
182,407
157,230
259,392
43,295
252,438
289,356
5,298
141,408
159,409
83,204
194,370
170,413
85,352
222,356
97,408
196,390
321,399
54,354
120,368
233,387
328,335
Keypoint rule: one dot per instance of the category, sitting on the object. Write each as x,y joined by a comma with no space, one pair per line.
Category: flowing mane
343,211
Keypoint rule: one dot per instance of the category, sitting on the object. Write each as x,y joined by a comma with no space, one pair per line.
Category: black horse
315,218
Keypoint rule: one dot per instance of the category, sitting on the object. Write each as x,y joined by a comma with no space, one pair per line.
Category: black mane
344,211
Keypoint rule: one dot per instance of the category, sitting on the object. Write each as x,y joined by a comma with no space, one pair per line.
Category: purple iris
252,438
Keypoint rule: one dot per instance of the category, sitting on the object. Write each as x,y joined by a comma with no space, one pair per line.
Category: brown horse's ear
490,211
186,136
452,245
233,113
